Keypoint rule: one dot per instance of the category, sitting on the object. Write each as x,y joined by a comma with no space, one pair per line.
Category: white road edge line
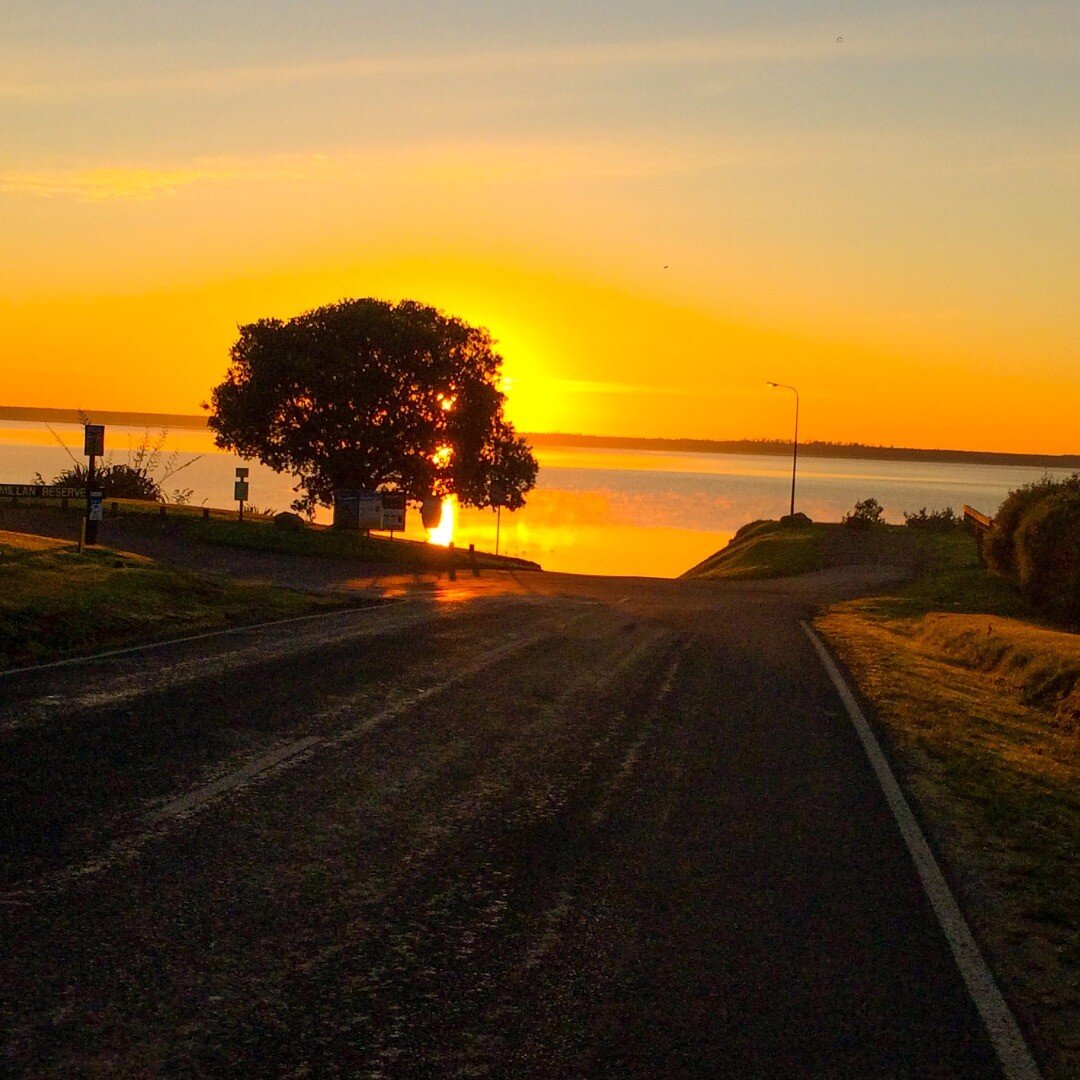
1001,1026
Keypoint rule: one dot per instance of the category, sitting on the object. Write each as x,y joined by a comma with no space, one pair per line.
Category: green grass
220,528
57,602
766,549
321,542
766,552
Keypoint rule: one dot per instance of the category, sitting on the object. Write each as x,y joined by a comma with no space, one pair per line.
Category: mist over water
593,511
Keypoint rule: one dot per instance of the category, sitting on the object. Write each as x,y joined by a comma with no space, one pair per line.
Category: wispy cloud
445,165
810,45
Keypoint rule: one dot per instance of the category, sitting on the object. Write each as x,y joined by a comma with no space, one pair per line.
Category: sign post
93,448
240,489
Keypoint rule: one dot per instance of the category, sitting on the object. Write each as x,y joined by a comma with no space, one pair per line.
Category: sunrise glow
651,219
443,533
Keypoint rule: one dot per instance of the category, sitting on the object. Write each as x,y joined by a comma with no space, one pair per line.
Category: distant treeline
101,416
816,448
778,447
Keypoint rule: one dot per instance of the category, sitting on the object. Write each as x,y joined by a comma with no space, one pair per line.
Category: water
593,511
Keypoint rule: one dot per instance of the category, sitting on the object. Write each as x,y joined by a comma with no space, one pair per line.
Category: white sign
393,511
369,510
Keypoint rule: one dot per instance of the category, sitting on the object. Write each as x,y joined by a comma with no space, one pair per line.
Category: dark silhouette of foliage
369,394
1000,545
1047,548
933,520
113,481
866,513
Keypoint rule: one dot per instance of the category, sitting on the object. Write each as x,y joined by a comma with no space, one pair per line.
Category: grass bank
56,602
220,528
766,549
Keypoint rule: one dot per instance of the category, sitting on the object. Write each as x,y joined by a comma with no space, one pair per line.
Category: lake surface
593,511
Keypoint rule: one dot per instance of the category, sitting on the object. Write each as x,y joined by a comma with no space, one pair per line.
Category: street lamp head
770,383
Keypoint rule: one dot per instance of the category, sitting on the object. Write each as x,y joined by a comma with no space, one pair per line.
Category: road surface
533,826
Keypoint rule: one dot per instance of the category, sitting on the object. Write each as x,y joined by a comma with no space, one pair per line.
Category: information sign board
95,505
93,440
369,510
240,491
357,508
393,511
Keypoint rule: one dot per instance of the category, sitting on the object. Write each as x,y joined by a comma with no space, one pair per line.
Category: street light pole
795,443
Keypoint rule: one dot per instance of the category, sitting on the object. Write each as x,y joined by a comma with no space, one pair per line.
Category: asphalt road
528,826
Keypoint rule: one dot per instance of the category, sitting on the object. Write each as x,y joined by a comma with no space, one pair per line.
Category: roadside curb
1008,1041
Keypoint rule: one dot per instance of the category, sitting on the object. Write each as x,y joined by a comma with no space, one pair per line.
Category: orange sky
652,220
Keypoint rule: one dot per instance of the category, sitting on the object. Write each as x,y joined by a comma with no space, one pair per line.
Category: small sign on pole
93,440
95,503
240,488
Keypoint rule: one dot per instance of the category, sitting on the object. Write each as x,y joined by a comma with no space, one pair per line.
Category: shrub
933,520
798,520
134,479
1000,545
113,481
1047,552
866,513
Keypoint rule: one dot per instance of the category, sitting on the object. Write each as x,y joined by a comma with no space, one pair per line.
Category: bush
1047,552
933,520
798,520
113,481
866,513
1000,545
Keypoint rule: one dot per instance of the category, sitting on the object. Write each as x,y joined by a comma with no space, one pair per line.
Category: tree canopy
369,394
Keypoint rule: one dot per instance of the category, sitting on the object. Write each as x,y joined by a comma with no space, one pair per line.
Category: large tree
369,394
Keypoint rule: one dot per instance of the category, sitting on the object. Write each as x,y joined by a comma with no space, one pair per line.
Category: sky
654,208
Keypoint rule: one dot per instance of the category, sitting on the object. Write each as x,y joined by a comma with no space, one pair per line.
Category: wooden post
82,532
472,561
453,568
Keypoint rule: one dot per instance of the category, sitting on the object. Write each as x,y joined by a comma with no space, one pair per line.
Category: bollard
206,513
453,569
472,561
64,503
114,509
82,533
161,512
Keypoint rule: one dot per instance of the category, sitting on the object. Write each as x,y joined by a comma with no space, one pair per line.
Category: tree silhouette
369,394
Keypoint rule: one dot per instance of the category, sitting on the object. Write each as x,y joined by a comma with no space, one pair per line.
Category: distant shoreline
766,447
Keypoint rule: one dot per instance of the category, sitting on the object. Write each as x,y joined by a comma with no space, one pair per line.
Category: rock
795,521
288,520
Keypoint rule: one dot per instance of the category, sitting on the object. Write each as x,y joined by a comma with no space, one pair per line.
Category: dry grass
980,712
